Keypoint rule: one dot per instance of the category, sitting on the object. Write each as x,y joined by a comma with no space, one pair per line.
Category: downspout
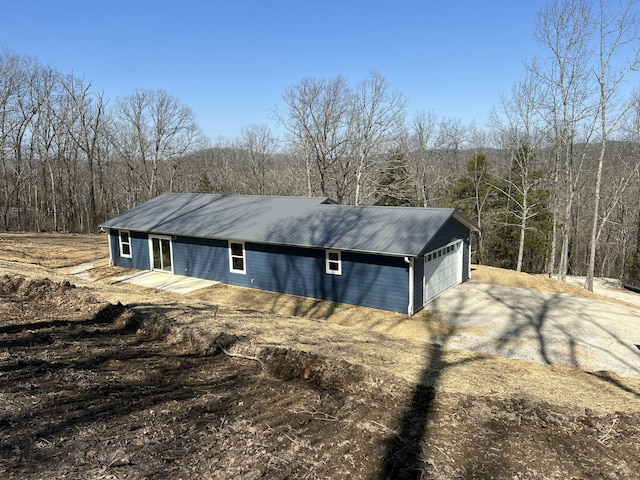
468,239
411,293
110,252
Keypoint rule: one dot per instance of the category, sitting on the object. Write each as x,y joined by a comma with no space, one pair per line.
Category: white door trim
151,264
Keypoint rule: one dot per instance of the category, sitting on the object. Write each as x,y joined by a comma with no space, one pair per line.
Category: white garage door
442,270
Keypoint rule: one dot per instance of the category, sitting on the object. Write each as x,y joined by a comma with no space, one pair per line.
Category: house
391,258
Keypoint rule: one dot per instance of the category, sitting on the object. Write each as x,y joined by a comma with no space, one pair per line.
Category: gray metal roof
300,221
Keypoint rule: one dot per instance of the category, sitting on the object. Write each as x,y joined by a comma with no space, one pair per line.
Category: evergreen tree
474,195
632,274
204,184
396,187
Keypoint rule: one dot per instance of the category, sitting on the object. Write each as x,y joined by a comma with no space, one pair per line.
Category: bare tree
564,31
33,84
317,122
258,147
519,186
431,150
130,138
521,136
11,78
377,117
616,31
48,130
66,161
155,130
86,130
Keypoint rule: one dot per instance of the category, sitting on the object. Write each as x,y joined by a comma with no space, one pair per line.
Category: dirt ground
102,380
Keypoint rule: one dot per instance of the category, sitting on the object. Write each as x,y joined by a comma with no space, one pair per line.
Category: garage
442,270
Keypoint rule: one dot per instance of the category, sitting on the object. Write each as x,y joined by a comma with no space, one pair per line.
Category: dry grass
542,283
384,342
425,325
53,250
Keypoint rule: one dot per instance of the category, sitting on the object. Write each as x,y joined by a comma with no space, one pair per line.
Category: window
125,243
333,262
236,257
443,251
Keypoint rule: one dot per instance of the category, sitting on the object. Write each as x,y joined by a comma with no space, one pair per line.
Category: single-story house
391,258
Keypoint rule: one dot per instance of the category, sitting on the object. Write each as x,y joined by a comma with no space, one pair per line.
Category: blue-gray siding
139,251
370,280
376,281
466,258
450,232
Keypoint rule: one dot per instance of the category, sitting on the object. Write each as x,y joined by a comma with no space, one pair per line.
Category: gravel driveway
550,328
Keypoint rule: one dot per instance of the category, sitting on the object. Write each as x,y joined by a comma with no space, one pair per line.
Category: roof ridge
390,207
242,195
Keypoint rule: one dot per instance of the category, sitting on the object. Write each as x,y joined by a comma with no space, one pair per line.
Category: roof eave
460,217
266,242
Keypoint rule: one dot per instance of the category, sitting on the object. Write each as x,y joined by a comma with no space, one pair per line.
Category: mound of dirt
286,364
46,297
281,363
32,288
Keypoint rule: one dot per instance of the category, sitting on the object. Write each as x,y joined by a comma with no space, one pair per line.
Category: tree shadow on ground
403,457
534,329
607,377
566,348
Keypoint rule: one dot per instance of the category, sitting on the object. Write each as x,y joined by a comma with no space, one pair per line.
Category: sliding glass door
161,253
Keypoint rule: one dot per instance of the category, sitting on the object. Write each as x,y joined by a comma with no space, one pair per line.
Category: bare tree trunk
615,32
554,234
596,212
523,230
637,259
308,172
568,220
54,199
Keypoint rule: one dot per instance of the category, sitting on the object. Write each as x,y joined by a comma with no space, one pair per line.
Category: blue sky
230,61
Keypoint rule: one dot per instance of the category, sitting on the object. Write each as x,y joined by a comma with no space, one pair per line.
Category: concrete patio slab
166,281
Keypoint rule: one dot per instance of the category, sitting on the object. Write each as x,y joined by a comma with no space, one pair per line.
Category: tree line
553,182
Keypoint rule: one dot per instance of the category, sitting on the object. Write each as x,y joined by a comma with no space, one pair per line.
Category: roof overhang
460,217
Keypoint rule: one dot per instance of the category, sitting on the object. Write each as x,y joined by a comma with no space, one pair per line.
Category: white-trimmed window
237,261
452,247
125,243
333,262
